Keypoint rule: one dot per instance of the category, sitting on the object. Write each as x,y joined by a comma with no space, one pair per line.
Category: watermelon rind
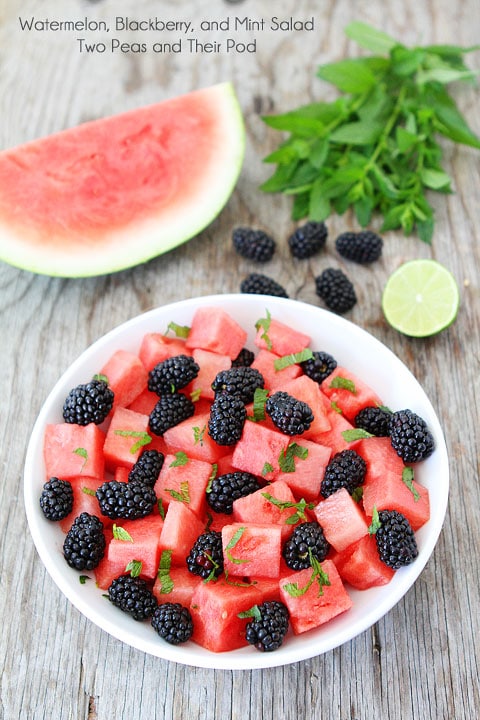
70,252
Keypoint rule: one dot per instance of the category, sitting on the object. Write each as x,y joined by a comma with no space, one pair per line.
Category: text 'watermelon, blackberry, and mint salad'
230,495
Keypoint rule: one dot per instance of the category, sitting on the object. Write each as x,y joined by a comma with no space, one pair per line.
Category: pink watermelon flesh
307,477
215,330
258,450
257,508
144,546
126,376
125,438
181,529
281,339
360,565
156,348
349,401
264,363
74,450
342,520
179,590
184,478
251,549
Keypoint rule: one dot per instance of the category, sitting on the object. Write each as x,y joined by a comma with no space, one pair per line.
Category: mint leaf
181,496
163,574
408,475
343,383
134,567
181,331
286,459
120,534
231,544
264,324
356,434
293,359
181,459
143,438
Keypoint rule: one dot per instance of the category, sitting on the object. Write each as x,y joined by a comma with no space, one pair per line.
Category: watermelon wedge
112,193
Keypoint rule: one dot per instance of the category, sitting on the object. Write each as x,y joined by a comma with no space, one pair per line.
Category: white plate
354,349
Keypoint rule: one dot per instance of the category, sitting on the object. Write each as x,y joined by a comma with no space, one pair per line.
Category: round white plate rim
294,649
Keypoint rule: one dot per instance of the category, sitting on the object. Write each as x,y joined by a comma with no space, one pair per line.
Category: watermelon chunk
156,348
180,530
251,549
210,363
265,363
360,565
257,508
349,393
305,389
84,500
177,588
258,450
191,436
306,478
126,375
281,339
215,330
143,546
126,437
74,450
184,479
342,520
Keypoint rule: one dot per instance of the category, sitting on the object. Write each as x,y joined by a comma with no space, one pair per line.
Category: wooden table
421,660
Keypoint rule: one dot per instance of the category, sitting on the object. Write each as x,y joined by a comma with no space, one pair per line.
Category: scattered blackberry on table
172,374
307,538
375,420
410,436
130,500
147,468
244,358
336,290
224,489
253,244
395,539
257,284
227,418
133,596
241,381
56,500
173,622
88,403
267,630
308,240
84,544
319,367
169,411
345,470
289,415
363,247
206,556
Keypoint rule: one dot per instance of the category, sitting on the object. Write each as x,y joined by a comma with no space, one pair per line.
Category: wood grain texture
421,660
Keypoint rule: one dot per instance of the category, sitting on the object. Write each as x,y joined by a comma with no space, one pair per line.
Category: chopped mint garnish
143,438
344,384
233,541
286,459
264,323
134,567
101,378
88,491
212,477
335,407
408,476
375,524
356,434
195,395
83,579
198,435
181,459
120,534
318,574
267,468
287,360
181,331
300,508
183,495
161,509
357,494
82,453
254,613
259,399
166,582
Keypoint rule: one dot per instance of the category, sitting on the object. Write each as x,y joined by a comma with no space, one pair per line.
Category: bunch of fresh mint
374,148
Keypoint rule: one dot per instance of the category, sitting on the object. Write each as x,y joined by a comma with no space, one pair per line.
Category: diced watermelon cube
305,389
191,436
210,364
265,364
341,518
251,549
126,437
179,590
360,565
314,607
307,477
281,339
214,329
144,403
348,392
257,508
126,375
74,450
181,528
258,450
184,479
144,546
156,348
84,500
333,438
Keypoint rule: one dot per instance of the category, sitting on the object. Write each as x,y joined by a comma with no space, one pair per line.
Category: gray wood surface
421,660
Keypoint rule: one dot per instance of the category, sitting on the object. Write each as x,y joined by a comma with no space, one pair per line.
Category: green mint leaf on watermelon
134,567
83,579
181,459
259,399
88,491
161,509
375,524
143,438
264,324
195,395
343,383
254,613
318,575
335,407
101,378
286,459
212,477
198,435
356,434
181,331
120,534
357,494
239,583
183,495
231,544
82,453
408,476
292,359
267,468
163,574
300,508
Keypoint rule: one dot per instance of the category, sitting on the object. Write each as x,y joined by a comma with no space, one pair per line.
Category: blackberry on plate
289,415
169,411
224,489
133,596
172,374
244,358
206,556
84,544
346,470
375,420
362,247
257,284
253,244
268,627
56,500
307,538
173,622
241,381
88,403
130,500
336,290
227,418
147,468
308,240
410,436
319,367
395,539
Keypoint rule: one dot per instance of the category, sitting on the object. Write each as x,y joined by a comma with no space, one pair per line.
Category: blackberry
173,622
226,488
244,358
56,499
242,382
336,290
267,630
133,596
147,468
256,284
84,544
308,240
307,538
375,420
395,539
172,374
289,415
206,556
169,411
319,367
345,470
253,244
363,247
88,403
130,500
227,418
410,436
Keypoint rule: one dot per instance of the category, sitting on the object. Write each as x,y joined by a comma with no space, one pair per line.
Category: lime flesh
420,298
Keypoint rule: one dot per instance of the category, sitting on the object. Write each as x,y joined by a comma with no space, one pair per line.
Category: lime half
420,298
